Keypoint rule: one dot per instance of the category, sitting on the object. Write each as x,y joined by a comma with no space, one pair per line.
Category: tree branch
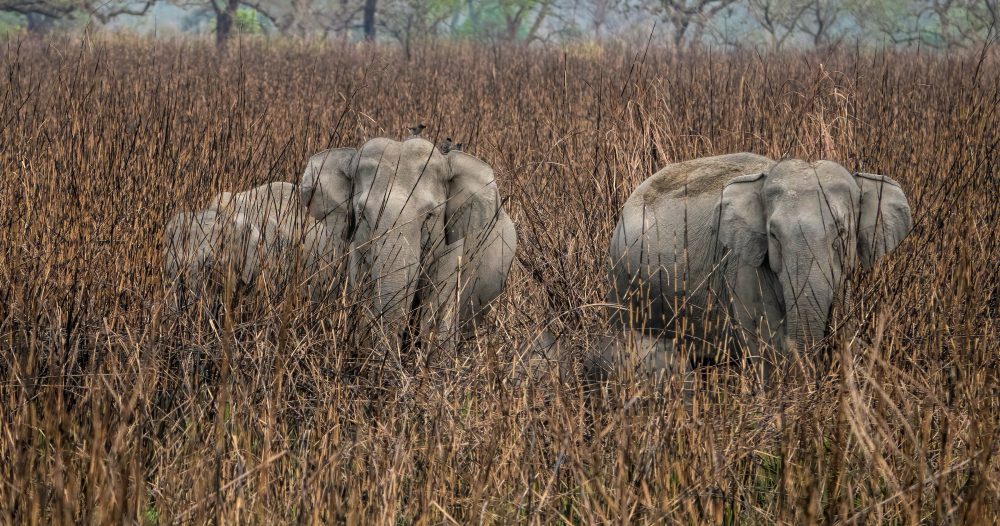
124,9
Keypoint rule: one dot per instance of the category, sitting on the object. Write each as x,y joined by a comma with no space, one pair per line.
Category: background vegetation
116,406
774,24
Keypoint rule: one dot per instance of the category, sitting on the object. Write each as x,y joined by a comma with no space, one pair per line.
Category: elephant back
274,206
698,177
201,246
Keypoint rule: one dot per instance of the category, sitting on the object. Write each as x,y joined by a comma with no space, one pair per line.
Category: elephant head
809,223
413,220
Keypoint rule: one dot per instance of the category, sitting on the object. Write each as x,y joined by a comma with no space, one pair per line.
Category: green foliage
10,23
152,516
494,17
767,475
435,9
247,20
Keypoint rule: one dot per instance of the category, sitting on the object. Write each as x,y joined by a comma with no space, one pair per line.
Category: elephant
422,230
201,247
747,253
288,231
545,352
264,231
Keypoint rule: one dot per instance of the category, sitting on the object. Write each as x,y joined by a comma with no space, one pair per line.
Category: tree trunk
369,20
407,36
473,14
39,23
696,36
680,29
539,19
224,20
223,28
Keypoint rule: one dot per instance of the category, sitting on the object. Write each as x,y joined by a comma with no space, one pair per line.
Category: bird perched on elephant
423,230
264,231
739,250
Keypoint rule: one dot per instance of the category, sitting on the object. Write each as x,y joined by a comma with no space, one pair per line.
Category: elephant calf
203,247
262,232
735,250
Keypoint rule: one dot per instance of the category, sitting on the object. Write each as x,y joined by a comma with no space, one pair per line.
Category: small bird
415,130
458,147
446,145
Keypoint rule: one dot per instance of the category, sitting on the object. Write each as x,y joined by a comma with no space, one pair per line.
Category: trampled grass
116,406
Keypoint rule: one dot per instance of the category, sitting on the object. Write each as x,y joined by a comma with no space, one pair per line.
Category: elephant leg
440,293
757,312
667,364
486,261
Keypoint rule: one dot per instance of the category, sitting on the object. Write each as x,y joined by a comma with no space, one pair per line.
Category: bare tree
409,20
506,19
43,8
304,17
778,18
107,11
596,14
820,19
518,13
225,12
340,17
684,15
288,17
41,13
225,16
934,23
368,17
961,23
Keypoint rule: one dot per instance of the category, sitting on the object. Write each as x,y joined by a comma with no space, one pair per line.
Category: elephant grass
119,406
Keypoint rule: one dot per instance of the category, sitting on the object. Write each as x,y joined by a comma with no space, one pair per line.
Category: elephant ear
326,188
884,219
741,224
473,198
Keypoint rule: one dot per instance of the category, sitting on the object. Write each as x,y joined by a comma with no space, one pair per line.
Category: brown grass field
118,407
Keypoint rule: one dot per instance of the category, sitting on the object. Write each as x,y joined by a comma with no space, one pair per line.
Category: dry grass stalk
116,407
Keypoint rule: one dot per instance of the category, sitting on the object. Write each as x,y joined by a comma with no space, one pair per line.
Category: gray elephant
644,354
291,238
262,231
422,229
200,248
738,250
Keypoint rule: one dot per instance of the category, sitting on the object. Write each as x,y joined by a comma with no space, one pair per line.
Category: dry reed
117,407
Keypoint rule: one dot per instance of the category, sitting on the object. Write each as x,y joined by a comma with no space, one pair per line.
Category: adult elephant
735,250
422,229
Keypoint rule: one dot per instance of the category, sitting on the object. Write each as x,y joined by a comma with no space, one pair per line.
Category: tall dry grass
118,407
